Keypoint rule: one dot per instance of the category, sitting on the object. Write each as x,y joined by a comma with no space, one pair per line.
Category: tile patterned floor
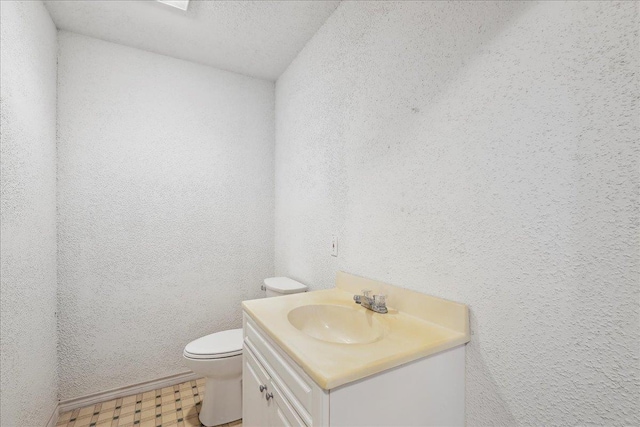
175,406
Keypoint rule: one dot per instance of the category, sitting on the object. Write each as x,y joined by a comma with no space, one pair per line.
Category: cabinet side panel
427,392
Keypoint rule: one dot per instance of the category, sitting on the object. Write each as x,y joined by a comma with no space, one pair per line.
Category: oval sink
337,324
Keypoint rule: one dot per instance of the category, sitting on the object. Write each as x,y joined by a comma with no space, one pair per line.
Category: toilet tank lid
284,285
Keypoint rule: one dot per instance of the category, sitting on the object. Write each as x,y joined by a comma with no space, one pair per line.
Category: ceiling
256,38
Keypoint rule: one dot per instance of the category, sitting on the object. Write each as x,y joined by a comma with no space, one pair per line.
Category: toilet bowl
218,358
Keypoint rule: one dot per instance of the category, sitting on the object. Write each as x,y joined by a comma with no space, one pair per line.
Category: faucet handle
379,304
380,300
366,293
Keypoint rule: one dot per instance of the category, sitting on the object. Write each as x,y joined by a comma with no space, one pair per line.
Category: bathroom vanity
319,359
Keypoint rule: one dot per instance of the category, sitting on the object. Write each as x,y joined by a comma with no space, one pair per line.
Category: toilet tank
278,286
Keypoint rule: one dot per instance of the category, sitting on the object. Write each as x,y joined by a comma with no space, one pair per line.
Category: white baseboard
103,396
53,419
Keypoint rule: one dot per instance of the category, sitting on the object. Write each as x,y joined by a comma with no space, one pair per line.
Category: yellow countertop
416,326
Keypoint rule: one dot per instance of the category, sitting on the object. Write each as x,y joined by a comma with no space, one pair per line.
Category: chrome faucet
377,303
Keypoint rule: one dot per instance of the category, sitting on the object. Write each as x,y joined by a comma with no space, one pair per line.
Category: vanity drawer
292,385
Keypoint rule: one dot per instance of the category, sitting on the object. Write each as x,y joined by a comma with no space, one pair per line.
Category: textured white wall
28,374
166,201
486,153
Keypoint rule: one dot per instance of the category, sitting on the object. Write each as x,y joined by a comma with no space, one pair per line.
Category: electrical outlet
334,246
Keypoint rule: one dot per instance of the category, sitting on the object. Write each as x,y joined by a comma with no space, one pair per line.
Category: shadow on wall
473,27
481,386
419,109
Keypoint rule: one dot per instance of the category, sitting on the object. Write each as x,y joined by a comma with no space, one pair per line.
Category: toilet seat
215,346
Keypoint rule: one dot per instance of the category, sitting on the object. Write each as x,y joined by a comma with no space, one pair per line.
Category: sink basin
337,324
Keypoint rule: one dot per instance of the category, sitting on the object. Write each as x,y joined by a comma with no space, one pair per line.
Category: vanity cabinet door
255,408
263,404
281,414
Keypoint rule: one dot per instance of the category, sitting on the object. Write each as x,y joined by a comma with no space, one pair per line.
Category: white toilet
218,358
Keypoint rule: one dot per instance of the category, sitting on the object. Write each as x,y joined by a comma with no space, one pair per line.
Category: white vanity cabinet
277,392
